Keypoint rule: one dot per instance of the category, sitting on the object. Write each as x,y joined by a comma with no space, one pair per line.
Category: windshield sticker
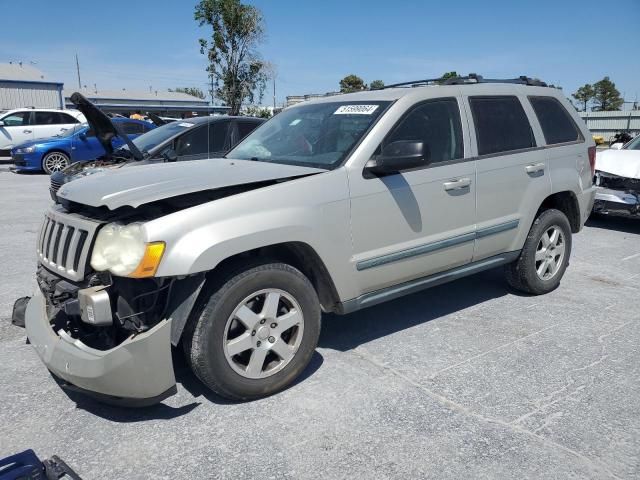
356,110
185,124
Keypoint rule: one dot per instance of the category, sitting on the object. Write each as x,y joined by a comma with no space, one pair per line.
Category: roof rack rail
469,79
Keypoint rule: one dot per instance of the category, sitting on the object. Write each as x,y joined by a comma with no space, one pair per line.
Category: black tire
522,274
204,337
61,161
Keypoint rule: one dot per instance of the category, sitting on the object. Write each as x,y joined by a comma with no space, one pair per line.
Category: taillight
592,160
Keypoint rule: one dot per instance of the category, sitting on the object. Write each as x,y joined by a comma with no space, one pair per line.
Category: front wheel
545,255
256,333
54,162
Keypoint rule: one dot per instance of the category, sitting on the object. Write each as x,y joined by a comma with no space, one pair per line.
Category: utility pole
78,70
274,92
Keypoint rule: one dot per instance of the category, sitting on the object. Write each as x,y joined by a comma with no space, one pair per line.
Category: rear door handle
457,184
535,168
26,131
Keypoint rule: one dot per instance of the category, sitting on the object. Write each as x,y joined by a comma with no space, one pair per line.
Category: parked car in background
25,124
193,139
75,144
618,180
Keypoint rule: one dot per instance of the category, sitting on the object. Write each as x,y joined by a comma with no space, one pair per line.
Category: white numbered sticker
185,124
356,110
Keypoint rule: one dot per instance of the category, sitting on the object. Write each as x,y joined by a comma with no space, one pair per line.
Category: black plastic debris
19,308
27,466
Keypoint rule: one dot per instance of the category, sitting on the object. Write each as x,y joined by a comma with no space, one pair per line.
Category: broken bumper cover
137,372
616,202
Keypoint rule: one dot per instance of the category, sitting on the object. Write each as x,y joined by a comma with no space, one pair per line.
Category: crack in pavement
594,465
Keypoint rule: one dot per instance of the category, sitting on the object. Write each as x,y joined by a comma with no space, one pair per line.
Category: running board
396,291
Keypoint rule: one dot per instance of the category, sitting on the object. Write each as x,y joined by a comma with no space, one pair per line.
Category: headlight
30,149
121,249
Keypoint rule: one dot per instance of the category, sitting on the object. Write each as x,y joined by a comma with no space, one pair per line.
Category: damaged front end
617,195
105,335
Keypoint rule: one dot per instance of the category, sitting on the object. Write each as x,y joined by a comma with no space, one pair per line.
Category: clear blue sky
136,44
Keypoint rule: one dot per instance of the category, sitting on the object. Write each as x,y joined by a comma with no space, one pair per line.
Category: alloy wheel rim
55,162
550,253
263,333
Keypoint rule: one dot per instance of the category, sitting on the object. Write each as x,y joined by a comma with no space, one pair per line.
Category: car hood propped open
147,183
624,163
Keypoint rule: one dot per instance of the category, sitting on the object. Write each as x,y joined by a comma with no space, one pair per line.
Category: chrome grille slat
61,244
65,243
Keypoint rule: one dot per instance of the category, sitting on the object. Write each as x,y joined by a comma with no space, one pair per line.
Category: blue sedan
76,144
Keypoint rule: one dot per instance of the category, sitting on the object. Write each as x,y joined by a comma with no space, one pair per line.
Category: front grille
64,243
55,186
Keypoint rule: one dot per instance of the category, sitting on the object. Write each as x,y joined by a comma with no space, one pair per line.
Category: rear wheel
545,255
256,333
54,162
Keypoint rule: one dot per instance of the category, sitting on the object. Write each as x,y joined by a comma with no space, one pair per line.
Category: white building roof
158,96
25,73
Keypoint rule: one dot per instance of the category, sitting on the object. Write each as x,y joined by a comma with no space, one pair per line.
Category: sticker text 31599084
356,110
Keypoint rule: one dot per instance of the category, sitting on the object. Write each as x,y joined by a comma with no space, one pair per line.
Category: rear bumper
137,372
616,202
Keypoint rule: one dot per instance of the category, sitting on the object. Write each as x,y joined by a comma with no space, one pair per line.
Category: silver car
333,205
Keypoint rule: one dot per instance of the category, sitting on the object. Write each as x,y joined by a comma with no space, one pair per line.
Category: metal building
25,86
606,124
125,102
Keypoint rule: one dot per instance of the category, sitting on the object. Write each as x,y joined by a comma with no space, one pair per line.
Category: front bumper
616,202
137,372
26,161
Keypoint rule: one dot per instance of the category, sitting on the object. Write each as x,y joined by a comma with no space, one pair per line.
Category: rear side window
66,118
557,125
501,124
132,128
218,135
437,124
245,128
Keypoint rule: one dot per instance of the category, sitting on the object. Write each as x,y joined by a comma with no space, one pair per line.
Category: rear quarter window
501,124
556,123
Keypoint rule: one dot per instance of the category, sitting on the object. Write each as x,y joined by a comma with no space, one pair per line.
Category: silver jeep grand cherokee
333,205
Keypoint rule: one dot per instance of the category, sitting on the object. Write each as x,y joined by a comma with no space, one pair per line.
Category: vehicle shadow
620,224
347,332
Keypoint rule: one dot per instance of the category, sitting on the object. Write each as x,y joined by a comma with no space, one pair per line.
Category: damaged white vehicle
618,180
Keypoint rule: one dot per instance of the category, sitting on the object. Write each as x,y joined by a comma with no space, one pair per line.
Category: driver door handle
457,184
535,168
26,131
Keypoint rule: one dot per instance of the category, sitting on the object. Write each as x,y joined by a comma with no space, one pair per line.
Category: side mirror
170,155
398,156
1,123
617,146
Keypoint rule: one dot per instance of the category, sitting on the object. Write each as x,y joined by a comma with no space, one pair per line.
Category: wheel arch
567,203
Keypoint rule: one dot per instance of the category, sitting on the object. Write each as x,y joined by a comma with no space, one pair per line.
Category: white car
24,124
618,180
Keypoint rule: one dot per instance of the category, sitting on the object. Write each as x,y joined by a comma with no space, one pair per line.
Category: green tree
352,83
235,67
584,95
259,112
193,91
606,96
447,75
376,84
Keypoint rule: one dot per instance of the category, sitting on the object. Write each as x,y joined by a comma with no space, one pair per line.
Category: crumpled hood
624,163
148,183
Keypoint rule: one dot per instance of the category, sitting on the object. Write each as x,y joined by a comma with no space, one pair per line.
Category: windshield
155,137
633,144
318,135
72,131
